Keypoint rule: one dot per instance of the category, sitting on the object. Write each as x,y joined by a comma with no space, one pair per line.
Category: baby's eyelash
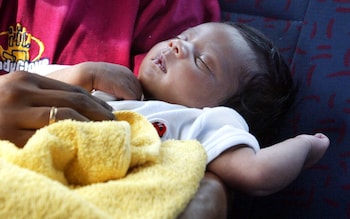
202,61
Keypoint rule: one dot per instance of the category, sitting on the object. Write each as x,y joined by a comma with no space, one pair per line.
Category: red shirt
38,32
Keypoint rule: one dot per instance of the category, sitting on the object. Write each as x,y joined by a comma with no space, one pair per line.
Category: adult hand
113,79
26,100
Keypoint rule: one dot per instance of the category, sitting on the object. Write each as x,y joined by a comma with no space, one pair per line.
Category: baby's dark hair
266,94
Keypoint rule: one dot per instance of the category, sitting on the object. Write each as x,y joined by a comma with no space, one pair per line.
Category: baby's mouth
160,62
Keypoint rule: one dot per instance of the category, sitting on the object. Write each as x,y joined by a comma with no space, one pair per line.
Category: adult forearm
210,201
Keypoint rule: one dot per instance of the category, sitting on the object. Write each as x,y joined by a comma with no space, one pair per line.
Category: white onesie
217,128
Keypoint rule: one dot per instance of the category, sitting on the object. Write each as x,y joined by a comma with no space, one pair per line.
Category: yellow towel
109,169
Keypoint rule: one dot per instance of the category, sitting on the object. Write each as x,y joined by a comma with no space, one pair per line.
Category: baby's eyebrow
181,37
190,32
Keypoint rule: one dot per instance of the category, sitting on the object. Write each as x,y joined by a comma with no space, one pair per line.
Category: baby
210,83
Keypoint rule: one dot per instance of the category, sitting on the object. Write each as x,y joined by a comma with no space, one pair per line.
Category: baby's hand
318,145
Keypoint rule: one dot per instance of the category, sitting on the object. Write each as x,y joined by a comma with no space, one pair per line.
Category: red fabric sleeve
65,31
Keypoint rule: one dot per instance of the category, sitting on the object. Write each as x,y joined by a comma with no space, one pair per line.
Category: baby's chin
146,72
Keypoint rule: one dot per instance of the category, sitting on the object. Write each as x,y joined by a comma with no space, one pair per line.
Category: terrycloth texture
109,169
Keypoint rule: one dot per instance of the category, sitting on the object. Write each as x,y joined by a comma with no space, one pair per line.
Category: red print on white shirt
160,127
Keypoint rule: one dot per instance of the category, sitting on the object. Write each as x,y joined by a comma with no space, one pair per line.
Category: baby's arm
270,169
113,79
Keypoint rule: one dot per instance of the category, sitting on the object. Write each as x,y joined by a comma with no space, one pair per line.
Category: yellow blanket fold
109,169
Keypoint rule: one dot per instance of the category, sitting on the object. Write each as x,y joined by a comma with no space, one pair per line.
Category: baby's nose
179,48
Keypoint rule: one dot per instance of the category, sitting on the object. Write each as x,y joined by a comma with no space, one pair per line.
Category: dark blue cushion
314,37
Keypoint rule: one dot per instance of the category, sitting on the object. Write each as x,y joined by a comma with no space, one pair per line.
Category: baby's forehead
214,33
225,42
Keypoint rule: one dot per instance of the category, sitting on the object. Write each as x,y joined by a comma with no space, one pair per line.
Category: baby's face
198,68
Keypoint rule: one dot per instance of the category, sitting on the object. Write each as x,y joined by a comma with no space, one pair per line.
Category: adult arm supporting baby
211,192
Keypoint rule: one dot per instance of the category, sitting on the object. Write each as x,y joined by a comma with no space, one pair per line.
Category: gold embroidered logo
20,46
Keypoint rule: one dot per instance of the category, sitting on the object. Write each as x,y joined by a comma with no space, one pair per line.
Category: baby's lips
160,62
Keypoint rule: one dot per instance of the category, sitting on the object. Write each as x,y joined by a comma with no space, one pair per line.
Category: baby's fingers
319,145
